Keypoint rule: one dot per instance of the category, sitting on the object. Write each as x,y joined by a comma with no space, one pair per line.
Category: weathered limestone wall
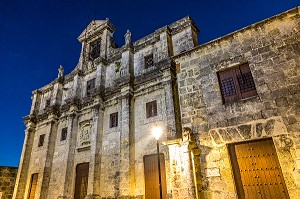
7,181
271,48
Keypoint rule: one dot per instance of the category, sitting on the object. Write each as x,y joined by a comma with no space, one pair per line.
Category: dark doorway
151,176
257,171
82,174
33,184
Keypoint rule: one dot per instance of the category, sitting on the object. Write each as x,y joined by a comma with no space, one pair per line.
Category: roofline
297,9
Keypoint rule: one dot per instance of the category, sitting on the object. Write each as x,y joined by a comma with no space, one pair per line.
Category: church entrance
82,174
151,177
257,171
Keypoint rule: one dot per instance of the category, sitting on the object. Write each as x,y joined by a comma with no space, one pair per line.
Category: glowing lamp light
156,132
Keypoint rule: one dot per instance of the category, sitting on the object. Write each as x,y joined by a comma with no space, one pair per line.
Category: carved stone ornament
186,134
84,137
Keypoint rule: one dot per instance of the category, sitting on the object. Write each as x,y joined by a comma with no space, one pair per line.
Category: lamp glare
156,132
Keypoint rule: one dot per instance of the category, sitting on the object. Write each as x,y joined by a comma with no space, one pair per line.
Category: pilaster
49,156
95,161
21,180
184,157
69,175
36,99
126,171
171,99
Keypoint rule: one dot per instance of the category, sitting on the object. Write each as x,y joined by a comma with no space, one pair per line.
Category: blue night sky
36,36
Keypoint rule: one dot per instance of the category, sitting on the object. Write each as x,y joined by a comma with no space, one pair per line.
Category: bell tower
96,42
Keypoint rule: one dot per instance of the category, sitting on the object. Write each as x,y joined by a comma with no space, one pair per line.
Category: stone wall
271,48
7,181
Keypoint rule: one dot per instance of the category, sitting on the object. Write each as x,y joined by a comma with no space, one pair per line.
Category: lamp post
156,131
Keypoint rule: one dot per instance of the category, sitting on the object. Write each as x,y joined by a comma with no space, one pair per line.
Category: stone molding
247,131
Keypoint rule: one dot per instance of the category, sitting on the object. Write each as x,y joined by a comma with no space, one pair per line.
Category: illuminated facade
89,132
229,110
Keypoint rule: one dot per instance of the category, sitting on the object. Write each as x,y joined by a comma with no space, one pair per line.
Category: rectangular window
41,140
113,120
95,50
148,61
47,104
151,109
64,133
236,83
90,85
32,186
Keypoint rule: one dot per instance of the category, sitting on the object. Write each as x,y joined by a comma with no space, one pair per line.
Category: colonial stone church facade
229,110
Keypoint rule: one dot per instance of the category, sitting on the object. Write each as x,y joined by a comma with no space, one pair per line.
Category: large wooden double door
257,171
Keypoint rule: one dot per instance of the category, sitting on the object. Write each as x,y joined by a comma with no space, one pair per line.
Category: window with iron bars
151,109
113,120
236,83
148,61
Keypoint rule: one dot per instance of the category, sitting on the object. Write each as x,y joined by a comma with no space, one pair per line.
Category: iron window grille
148,61
236,83
113,120
151,109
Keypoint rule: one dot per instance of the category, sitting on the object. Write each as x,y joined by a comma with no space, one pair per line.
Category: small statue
127,38
60,71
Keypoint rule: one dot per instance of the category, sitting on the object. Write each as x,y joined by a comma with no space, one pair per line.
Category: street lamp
156,132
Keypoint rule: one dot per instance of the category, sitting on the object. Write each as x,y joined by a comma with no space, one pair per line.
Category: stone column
20,186
49,156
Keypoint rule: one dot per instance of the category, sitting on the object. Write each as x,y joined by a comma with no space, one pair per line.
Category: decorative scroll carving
84,138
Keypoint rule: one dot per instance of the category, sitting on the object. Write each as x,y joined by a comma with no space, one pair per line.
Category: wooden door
33,185
82,174
151,177
257,171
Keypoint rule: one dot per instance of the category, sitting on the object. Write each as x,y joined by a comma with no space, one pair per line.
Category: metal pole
159,175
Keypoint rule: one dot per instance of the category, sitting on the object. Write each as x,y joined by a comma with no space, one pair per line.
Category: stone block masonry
271,49
7,181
